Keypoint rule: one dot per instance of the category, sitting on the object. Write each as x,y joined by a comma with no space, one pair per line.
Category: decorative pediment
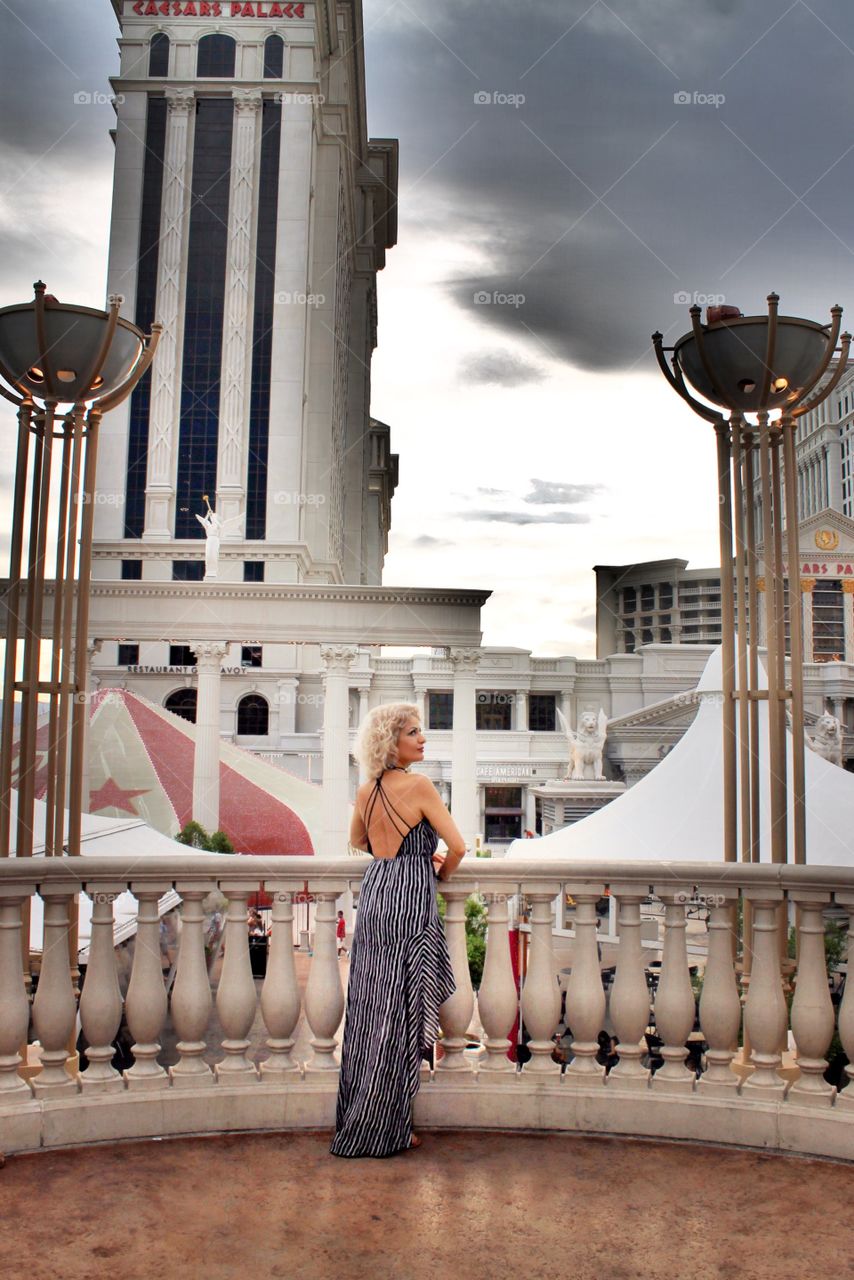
674,713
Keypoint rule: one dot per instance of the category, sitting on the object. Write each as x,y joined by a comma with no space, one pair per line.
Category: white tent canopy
676,811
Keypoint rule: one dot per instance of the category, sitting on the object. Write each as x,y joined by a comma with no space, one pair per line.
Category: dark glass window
440,709
274,58
828,624
253,570
666,635
502,813
262,323
181,655
128,655
158,55
146,289
647,598
541,712
493,709
646,637
665,596
250,655
182,703
253,715
206,257
131,570
216,56
630,642
188,570
629,600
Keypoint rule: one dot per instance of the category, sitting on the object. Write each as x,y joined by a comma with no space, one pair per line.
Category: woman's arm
358,831
436,813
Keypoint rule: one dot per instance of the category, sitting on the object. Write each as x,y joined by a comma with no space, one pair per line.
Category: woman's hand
438,863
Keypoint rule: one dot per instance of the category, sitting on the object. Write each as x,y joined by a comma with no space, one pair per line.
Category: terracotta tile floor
250,1207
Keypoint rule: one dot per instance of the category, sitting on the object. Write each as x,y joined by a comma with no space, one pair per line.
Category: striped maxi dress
400,973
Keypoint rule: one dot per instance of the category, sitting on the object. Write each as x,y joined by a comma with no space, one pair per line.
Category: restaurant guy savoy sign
216,9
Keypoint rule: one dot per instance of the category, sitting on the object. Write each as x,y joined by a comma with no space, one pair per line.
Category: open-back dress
400,973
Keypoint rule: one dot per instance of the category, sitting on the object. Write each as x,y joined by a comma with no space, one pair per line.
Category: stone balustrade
763,1103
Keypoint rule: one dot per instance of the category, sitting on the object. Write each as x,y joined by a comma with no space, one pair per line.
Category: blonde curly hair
376,744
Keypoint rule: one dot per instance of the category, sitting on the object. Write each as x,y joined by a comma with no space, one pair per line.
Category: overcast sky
571,176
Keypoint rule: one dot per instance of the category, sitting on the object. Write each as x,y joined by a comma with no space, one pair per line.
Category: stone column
520,711
287,700
166,372
762,620
92,647
337,659
807,585
530,809
464,743
209,656
363,704
421,704
237,319
848,614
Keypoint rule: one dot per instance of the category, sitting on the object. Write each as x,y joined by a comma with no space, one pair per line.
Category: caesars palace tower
251,214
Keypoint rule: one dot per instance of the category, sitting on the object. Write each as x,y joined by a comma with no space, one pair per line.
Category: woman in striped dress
400,970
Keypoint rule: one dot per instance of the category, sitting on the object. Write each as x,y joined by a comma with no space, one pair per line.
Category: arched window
216,56
253,716
182,703
274,58
158,55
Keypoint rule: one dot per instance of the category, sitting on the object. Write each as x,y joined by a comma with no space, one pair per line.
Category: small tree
196,837
475,913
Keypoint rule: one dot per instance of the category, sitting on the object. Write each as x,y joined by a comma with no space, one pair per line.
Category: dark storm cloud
501,369
525,517
610,165
560,492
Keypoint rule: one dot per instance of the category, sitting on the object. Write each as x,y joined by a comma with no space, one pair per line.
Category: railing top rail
482,872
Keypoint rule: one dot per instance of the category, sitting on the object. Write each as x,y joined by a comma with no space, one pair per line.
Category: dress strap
391,811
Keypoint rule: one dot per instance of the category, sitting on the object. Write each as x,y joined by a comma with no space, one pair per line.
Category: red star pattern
112,796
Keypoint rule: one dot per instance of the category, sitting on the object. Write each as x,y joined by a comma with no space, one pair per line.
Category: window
250,655
629,600
253,570
666,637
646,637
493,709
647,598
665,596
440,709
274,58
188,570
216,56
630,642
131,570
253,716
181,655
128,655
541,712
828,626
182,703
502,813
158,55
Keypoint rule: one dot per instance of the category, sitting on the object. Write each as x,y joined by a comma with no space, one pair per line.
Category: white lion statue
826,740
586,746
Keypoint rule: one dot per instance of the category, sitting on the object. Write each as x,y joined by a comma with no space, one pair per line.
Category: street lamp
765,371
64,367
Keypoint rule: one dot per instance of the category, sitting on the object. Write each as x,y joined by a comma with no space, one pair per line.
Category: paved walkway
249,1207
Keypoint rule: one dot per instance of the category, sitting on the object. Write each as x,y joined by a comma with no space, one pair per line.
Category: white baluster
456,1013
765,1009
191,994
14,1005
585,996
812,1008
324,995
236,1003
845,1097
101,997
280,998
54,1006
720,1005
629,1005
497,1001
145,1005
541,994
674,1002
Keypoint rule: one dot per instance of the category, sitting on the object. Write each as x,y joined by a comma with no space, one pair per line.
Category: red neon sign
216,9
